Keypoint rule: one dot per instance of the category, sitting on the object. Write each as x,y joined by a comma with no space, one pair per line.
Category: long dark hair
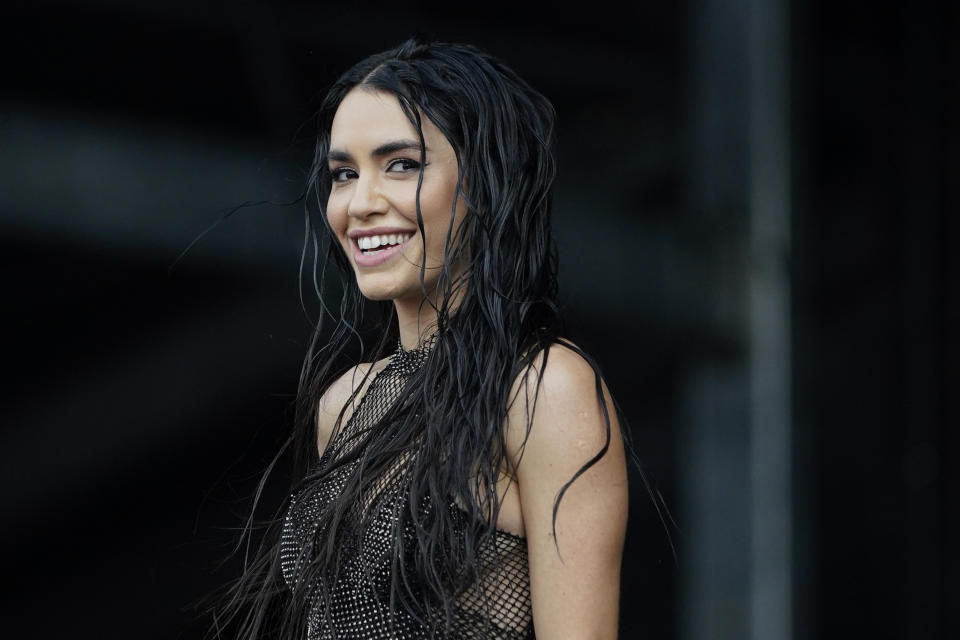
496,313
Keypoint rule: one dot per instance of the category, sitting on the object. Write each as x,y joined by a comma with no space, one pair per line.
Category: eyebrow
336,155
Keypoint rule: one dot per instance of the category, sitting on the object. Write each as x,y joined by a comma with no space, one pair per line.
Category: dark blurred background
755,211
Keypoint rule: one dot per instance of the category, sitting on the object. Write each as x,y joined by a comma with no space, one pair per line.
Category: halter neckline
409,360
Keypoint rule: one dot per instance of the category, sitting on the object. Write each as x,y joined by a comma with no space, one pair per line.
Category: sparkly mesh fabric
353,601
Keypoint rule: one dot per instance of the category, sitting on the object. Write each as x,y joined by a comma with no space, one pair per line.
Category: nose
366,198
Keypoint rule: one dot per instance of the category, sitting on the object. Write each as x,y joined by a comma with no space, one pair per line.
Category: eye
342,174
401,165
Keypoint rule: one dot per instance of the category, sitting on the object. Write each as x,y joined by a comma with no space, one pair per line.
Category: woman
468,478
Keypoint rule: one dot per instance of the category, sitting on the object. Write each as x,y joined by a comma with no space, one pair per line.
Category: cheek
436,202
336,213
443,216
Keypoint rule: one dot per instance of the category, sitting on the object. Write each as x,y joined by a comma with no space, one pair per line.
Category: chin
376,296
377,291
380,292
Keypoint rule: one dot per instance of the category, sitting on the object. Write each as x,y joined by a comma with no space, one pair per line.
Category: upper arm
575,577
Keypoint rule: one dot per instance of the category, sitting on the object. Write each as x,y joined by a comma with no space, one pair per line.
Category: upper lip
377,231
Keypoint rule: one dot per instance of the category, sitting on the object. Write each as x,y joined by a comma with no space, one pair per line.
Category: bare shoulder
342,396
565,445
561,396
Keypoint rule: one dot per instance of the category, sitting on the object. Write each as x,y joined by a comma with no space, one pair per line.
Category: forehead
368,117
364,112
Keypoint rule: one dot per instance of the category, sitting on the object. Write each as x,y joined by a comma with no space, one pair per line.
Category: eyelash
340,174
410,165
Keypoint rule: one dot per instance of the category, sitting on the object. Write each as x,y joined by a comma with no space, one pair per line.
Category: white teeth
367,243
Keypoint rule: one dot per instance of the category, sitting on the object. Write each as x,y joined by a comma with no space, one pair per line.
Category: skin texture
574,578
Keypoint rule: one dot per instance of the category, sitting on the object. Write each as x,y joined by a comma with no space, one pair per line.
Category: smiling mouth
372,245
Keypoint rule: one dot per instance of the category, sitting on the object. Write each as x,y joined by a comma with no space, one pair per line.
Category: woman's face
374,162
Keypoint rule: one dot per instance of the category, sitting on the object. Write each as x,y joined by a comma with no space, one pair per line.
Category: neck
416,322
417,317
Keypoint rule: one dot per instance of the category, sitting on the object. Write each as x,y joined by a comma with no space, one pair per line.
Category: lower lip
375,259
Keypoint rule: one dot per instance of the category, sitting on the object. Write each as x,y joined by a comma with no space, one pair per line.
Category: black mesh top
353,602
